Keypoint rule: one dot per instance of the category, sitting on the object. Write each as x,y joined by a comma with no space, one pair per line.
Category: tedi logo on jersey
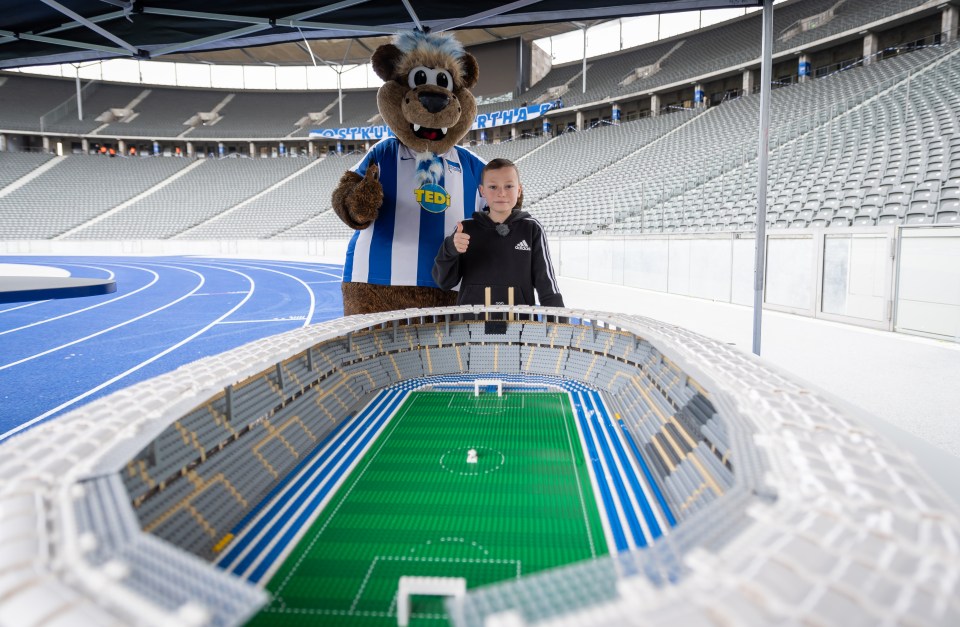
522,245
432,198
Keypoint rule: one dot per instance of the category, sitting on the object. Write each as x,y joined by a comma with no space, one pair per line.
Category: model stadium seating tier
788,509
279,415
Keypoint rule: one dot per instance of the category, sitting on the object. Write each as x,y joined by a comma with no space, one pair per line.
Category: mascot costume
411,190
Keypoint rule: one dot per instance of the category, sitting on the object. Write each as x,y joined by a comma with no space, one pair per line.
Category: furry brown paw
365,200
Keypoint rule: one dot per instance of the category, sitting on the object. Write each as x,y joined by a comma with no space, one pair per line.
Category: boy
499,248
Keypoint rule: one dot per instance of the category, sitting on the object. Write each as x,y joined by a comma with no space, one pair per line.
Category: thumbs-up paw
367,196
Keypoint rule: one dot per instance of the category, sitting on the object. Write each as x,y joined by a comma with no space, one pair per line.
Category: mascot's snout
434,103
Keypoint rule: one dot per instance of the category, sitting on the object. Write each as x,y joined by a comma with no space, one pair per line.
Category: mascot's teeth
443,130
416,127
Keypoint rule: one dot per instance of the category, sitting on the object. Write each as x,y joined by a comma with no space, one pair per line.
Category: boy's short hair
498,164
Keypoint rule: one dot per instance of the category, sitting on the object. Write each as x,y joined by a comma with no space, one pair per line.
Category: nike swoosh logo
405,158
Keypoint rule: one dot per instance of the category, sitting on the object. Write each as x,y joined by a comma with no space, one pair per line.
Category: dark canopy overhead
36,32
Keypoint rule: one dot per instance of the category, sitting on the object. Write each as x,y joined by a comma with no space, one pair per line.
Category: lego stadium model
547,467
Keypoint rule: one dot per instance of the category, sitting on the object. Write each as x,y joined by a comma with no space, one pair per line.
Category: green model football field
414,506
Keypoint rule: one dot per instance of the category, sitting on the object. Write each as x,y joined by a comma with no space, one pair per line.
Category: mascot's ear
385,60
471,70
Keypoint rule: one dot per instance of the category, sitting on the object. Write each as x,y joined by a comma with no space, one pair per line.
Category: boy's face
500,188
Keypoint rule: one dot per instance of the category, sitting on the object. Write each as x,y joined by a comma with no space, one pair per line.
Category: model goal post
480,384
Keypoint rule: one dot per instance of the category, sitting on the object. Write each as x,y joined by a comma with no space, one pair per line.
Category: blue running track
56,355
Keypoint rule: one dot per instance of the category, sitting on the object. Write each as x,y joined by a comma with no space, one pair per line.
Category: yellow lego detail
224,541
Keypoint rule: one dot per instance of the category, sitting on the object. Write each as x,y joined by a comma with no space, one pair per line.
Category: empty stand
876,144
175,207
14,165
43,94
164,112
252,115
76,190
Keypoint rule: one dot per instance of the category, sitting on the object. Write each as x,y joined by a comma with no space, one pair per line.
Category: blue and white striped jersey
401,244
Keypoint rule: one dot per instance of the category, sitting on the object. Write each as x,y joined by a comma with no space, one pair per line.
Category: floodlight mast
759,267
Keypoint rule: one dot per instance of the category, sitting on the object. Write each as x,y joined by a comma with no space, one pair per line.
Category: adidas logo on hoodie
522,245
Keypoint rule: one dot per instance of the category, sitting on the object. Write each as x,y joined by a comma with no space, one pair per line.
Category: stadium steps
538,148
246,202
130,106
12,187
626,157
802,132
129,202
220,105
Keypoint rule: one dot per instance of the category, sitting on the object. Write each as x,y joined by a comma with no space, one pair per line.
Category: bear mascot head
411,189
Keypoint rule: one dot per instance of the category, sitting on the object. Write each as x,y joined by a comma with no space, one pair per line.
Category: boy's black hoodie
516,256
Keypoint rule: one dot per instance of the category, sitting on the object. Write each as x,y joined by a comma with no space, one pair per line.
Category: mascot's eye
422,75
418,76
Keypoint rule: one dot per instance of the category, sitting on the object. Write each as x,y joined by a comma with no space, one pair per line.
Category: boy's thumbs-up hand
460,239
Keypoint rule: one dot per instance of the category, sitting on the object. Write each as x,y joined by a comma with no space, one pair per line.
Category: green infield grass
414,506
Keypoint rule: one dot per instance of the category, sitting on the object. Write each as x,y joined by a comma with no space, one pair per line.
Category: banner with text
510,116
483,121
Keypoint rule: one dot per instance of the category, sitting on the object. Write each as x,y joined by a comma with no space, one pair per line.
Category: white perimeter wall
904,279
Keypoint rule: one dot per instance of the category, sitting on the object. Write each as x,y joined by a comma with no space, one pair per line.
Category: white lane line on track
36,302
334,271
156,277
288,319
313,299
146,362
116,326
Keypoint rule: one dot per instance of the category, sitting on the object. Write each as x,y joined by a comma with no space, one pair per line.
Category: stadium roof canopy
42,32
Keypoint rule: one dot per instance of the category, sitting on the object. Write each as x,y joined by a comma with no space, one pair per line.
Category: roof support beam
257,24
106,17
413,14
64,42
202,15
94,27
336,6
470,19
186,45
346,27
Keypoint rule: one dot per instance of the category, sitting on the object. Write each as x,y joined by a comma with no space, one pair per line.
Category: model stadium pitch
413,505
